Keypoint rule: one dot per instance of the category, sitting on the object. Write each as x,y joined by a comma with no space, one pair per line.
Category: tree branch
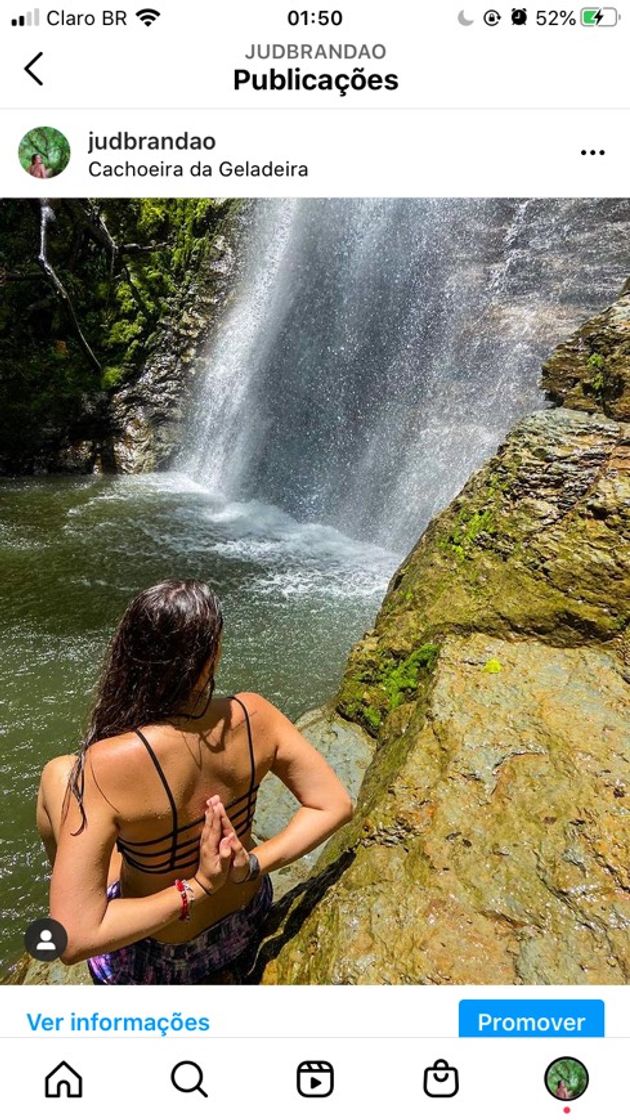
15,277
132,247
46,216
97,226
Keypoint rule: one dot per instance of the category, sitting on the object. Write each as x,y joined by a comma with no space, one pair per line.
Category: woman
562,1092
37,168
169,775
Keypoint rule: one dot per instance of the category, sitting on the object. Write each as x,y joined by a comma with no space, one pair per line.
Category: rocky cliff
146,415
101,380
491,842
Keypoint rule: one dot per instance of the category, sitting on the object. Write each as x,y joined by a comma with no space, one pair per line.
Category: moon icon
465,22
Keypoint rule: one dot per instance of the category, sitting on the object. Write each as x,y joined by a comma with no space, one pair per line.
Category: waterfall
374,352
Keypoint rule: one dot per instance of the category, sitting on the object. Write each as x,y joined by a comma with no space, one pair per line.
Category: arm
78,897
324,802
45,828
50,799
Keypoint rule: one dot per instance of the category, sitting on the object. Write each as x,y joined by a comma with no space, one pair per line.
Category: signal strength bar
31,19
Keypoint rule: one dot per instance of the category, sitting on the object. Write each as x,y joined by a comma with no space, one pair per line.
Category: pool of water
72,554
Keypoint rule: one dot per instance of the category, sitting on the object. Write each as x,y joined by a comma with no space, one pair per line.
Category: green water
72,554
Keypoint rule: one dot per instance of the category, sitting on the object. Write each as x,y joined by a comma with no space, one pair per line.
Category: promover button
531,1018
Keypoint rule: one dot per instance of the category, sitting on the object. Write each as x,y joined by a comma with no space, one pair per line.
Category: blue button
531,1018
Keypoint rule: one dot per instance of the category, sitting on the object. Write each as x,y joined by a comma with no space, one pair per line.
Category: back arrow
30,72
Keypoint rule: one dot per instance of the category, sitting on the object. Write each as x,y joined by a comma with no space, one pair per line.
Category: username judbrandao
129,142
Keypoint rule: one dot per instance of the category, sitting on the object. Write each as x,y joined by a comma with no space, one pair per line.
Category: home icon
64,1081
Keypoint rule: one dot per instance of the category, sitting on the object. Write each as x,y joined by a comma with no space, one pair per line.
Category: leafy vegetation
604,382
597,370
127,266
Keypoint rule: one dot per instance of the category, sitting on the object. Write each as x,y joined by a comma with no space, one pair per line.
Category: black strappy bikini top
179,851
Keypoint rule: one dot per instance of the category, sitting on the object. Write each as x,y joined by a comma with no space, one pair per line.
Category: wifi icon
148,16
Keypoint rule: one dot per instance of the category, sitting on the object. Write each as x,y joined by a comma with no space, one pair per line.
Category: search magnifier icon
187,1077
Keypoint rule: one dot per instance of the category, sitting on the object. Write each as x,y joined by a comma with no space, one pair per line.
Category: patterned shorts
222,954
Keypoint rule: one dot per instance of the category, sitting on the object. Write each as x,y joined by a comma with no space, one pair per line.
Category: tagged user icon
441,1080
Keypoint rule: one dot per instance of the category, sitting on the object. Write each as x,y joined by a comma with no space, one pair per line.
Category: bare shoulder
105,751
116,762
260,709
57,771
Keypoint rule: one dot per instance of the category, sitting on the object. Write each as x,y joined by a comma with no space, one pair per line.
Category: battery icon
599,17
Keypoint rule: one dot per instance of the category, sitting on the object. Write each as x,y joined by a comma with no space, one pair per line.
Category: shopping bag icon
441,1080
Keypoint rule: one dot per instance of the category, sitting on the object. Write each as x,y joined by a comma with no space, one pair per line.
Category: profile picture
566,1079
44,153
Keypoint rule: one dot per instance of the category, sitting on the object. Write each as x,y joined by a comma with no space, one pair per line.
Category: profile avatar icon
45,939
519,17
566,1079
44,152
46,943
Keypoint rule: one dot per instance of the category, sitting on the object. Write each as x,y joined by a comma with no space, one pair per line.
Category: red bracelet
184,890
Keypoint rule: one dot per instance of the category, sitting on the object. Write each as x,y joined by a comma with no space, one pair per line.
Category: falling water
376,351
371,355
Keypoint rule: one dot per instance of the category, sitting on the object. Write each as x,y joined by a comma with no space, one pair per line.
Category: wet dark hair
155,658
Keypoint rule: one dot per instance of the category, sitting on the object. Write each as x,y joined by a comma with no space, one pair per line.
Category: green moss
373,717
47,384
112,376
604,382
493,666
400,681
124,331
596,382
596,361
378,686
469,525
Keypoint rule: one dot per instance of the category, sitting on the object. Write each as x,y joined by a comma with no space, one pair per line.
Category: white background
187,58
370,143
349,153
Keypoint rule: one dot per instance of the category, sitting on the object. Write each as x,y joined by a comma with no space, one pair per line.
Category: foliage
596,361
604,382
597,367
48,391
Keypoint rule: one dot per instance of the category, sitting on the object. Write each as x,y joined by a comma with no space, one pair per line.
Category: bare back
158,781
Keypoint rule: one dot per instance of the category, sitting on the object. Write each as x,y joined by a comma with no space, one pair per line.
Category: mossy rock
150,308
537,543
591,371
491,840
